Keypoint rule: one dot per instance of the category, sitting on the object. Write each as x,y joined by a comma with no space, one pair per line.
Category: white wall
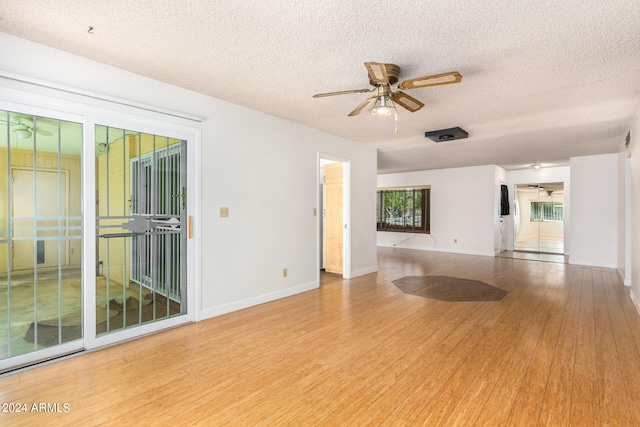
632,277
625,213
624,216
594,204
463,207
264,169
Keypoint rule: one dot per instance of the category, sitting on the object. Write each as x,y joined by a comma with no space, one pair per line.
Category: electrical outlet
455,240
284,272
224,212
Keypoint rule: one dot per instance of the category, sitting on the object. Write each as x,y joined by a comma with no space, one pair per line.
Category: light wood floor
561,348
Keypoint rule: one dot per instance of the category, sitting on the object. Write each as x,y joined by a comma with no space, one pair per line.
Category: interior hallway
560,347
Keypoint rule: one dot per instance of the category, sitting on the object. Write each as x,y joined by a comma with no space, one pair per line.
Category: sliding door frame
65,347
89,216
39,99
518,220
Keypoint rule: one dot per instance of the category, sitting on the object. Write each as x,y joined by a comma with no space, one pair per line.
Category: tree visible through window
403,209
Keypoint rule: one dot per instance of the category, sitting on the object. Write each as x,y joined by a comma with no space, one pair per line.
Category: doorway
334,219
539,218
48,201
93,241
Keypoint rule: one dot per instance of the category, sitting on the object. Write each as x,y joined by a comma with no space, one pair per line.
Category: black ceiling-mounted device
446,134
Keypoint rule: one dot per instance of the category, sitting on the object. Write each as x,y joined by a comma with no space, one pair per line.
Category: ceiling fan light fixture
384,78
23,133
383,106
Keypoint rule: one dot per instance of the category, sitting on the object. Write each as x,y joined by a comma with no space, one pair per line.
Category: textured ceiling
542,80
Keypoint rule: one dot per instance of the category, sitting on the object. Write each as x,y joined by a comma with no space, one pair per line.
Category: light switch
224,212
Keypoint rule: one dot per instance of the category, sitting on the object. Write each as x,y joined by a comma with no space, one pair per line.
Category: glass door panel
141,229
539,218
40,236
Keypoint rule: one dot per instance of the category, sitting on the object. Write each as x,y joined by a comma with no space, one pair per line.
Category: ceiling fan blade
377,72
10,122
44,132
363,106
342,92
435,80
406,101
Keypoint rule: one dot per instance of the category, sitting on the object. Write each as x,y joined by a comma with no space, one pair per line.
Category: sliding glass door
72,278
41,298
539,218
141,221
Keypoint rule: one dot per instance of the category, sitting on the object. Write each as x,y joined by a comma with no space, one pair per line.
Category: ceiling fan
24,131
384,79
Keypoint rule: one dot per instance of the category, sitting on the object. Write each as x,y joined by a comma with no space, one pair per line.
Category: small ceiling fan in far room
23,130
388,92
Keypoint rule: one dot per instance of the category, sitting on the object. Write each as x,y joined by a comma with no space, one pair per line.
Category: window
403,209
547,211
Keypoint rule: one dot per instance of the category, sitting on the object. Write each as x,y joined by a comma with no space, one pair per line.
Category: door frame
517,217
34,105
89,216
628,219
66,203
61,103
346,213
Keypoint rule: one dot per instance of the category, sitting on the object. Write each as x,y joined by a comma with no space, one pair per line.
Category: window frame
382,223
546,211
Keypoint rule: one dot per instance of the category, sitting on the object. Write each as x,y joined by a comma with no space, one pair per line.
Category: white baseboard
592,263
219,310
446,250
625,280
635,301
363,271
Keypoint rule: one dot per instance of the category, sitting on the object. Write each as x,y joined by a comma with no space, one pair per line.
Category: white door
333,221
36,212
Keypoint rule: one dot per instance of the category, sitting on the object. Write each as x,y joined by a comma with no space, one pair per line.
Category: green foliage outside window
547,211
403,209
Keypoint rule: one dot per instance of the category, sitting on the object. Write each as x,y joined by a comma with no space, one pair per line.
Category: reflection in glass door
141,229
40,238
539,218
